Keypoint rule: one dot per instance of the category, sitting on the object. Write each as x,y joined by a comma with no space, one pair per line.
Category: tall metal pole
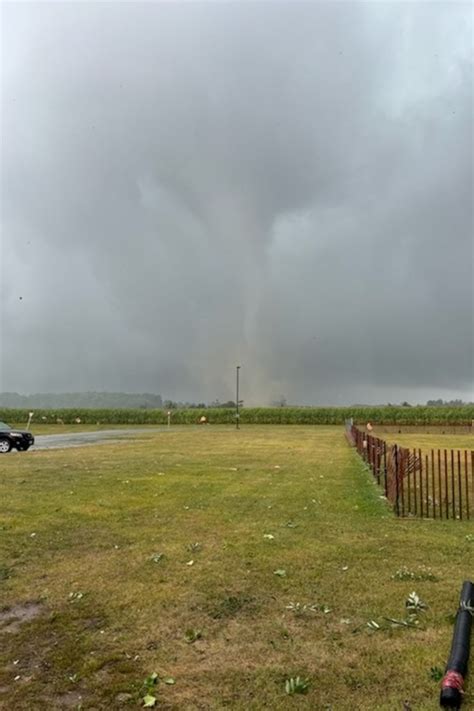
237,413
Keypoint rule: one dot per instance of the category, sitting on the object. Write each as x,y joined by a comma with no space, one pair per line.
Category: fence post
377,459
385,467
395,461
466,480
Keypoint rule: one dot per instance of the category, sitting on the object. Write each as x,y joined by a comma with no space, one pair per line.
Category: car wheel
5,445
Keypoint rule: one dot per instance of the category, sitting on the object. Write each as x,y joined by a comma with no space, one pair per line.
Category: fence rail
434,484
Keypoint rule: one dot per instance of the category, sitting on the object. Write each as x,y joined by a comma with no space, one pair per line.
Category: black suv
14,438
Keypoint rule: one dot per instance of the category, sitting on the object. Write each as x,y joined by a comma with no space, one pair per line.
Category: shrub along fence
438,484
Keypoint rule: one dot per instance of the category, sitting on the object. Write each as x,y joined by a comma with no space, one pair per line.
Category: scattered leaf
373,625
192,635
194,547
296,686
414,603
436,673
75,596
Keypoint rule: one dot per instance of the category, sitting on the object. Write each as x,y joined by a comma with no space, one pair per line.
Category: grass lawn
428,441
98,590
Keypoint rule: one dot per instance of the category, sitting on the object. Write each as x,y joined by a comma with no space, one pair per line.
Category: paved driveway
79,439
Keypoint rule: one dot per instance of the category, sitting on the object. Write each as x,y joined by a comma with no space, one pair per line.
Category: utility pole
237,413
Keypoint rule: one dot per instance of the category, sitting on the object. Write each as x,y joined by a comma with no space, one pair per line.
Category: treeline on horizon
93,400
119,400
383,415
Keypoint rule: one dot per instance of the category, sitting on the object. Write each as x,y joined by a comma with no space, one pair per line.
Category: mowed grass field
428,441
111,555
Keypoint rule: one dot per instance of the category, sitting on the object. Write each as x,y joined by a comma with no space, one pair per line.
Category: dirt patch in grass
11,618
69,700
231,606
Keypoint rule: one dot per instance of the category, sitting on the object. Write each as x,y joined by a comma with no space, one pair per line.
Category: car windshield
4,426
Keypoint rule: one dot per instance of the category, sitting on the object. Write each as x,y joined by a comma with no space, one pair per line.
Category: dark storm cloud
187,186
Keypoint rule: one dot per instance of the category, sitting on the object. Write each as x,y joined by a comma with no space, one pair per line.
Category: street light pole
237,414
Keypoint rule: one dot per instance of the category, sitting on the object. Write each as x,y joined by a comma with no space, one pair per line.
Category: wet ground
80,439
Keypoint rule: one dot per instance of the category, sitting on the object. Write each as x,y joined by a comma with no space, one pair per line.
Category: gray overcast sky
189,186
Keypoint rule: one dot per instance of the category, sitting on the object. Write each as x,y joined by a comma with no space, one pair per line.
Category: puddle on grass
12,618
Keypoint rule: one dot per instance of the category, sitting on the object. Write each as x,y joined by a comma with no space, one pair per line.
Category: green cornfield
386,415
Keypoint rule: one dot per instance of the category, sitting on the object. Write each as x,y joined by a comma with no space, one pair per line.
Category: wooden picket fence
434,484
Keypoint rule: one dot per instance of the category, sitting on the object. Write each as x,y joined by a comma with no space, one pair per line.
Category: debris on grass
192,635
157,557
402,622
280,572
415,604
300,609
76,596
373,625
296,685
436,674
194,547
149,685
269,536
423,573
